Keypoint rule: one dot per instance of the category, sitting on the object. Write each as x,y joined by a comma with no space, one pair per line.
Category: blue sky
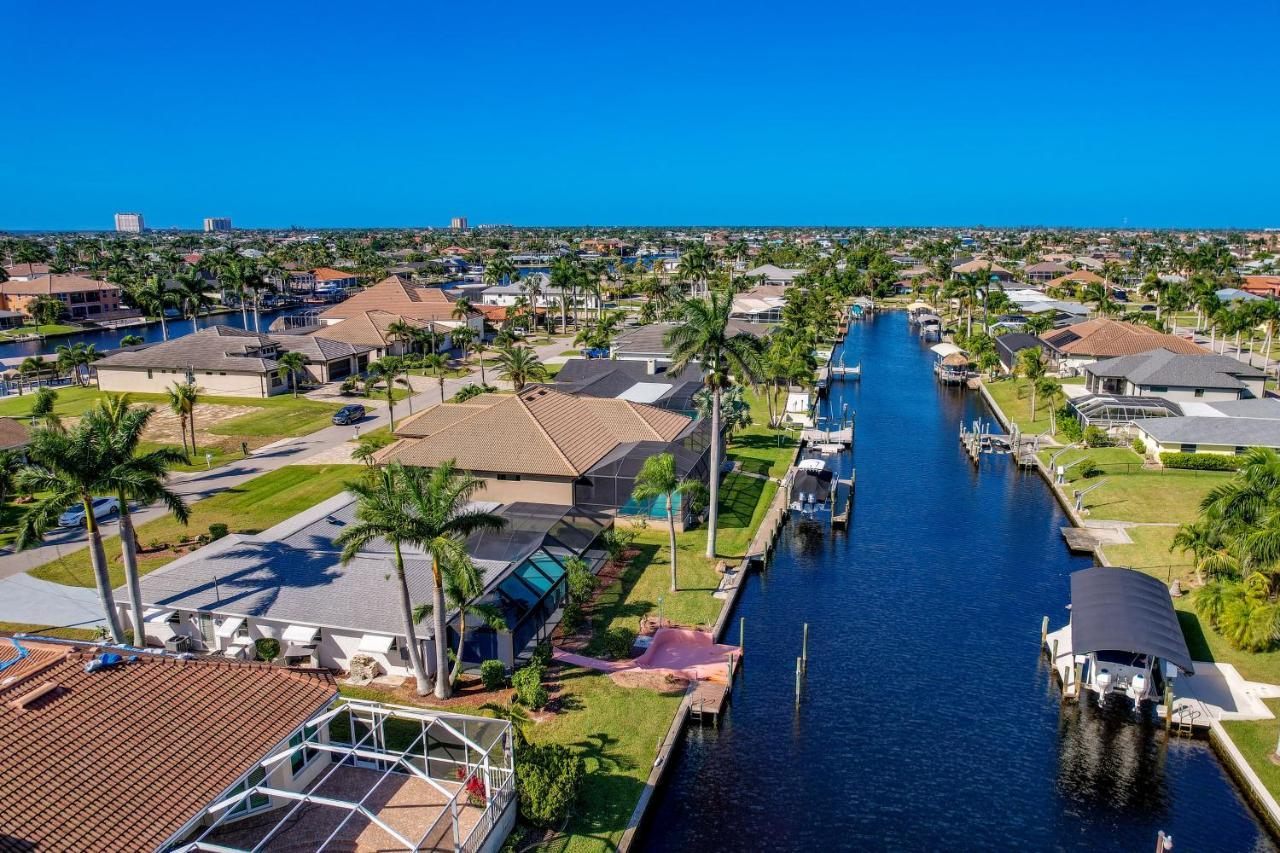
1158,114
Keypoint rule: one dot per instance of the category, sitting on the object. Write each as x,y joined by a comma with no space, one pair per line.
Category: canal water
928,720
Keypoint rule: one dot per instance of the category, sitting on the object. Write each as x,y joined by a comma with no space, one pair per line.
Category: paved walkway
38,602
326,446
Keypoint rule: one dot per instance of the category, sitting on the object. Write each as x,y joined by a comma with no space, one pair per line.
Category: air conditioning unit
179,643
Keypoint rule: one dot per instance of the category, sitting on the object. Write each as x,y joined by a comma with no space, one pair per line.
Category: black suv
349,415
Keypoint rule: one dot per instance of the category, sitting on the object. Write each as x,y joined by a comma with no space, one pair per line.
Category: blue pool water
928,722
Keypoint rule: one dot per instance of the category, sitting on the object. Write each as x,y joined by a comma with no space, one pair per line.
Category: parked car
102,508
351,414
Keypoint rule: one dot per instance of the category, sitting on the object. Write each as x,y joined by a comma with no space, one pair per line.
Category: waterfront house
225,361
222,756
1174,376
84,298
371,330
649,382
761,304
1227,428
396,294
546,446
993,270
14,434
1074,280
1074,346
548,296
288,584
645,343
772,274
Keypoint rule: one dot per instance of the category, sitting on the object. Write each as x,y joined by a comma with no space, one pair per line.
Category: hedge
1200,461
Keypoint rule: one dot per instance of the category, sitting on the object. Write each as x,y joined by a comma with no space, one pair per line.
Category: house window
148,373
254,802
1187,448
1159,389
508,476
302,757
1199,392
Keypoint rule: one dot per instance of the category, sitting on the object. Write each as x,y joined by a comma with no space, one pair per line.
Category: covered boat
812,486
1124,635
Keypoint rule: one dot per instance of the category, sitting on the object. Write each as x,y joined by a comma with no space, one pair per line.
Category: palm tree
42,410
30,366
520,365
46,311
388,371
1099,293
154,297
67,469
462,587
291,366
515,714
404,331
461,309
1031,363
695,267
132,340
191,294
436,363
658,479
428,511
1050,390
702,335
134,477
182,402
481,347
463,337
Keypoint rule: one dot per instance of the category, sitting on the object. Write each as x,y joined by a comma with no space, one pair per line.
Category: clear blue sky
370,113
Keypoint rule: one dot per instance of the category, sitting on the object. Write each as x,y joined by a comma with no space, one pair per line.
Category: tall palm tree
67,469
134,476
481,347
191,294
519,365
154,297
1099,293
702,335
436,364
291,366
1032,366
426,510
658,479
388,371
695,267
183,398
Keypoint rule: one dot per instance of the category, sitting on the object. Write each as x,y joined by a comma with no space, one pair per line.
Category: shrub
494,674
466,392
571,618
548,778
1139,447
349,385
582,583
1068,427
1096,437
1200,461
618,642
217,530
267,648
541,655
616,542
1088,469
528,684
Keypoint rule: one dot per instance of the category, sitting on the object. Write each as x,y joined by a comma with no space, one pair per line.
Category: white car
102,508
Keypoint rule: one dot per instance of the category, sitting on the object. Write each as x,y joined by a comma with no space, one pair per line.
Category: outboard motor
1138,687
1103,682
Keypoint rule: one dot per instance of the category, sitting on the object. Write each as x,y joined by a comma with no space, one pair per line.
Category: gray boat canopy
1125,610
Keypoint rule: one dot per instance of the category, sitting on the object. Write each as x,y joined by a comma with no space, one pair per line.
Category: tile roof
1076,277
539,431
978,265
1106,338
27,269
397,295
1162,367
123,758
369,328
327,274
211,348
61,283
13,433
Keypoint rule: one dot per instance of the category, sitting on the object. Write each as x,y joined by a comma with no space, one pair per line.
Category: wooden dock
708,700
815,436
840,517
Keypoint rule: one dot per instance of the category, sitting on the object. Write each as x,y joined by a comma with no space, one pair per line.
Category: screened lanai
1107,411
608,485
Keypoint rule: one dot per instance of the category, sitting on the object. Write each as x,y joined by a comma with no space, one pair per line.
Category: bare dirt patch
166,428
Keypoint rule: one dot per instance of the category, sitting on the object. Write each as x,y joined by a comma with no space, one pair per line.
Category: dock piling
742,634
797,682
804,648
1044,629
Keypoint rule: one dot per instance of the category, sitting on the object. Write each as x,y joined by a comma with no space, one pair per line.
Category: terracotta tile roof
122,758
499,313
27,269
1106,338
397,295
327,274
978,265
1077,277
368,328
13,433
539,431
49,284
1262,285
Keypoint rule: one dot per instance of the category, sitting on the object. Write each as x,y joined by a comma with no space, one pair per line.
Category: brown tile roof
368,328
327,274
13,433
1106,338
978,265
397,295
122,758
49,284
539,431
27,269
1077,277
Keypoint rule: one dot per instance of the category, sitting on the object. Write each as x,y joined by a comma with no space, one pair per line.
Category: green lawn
72,402
49,331
1150,552
1132,493
248,508
48,631
1013,396
759,449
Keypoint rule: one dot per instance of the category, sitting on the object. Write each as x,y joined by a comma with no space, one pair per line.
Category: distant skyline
1093,115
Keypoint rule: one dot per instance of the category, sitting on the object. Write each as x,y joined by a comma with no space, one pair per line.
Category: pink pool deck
682,651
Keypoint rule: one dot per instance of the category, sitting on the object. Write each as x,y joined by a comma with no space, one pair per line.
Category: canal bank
925,721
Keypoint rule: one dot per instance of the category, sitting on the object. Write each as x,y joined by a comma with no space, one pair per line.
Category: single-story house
1010,346
288,584
224,361
1224,428
1045,271
644,343
371,330
1074,279
761,304
14,434
1266,286
991,268
549,296
226,756
1161,373
1073,347
1235,294
652,383
772,274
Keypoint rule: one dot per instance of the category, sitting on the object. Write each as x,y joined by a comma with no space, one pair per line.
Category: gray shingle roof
651,339
213,348
1262,430
1161,367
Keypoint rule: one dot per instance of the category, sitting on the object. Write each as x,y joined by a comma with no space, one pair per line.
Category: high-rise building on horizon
129,223
217,223
458,223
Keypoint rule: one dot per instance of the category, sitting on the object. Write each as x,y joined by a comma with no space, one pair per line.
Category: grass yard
1132,493
1013,396
1150,552
248,508
48,631
49,331
759,449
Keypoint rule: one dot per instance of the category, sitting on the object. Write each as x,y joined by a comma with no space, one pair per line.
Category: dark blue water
110,338
928,720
